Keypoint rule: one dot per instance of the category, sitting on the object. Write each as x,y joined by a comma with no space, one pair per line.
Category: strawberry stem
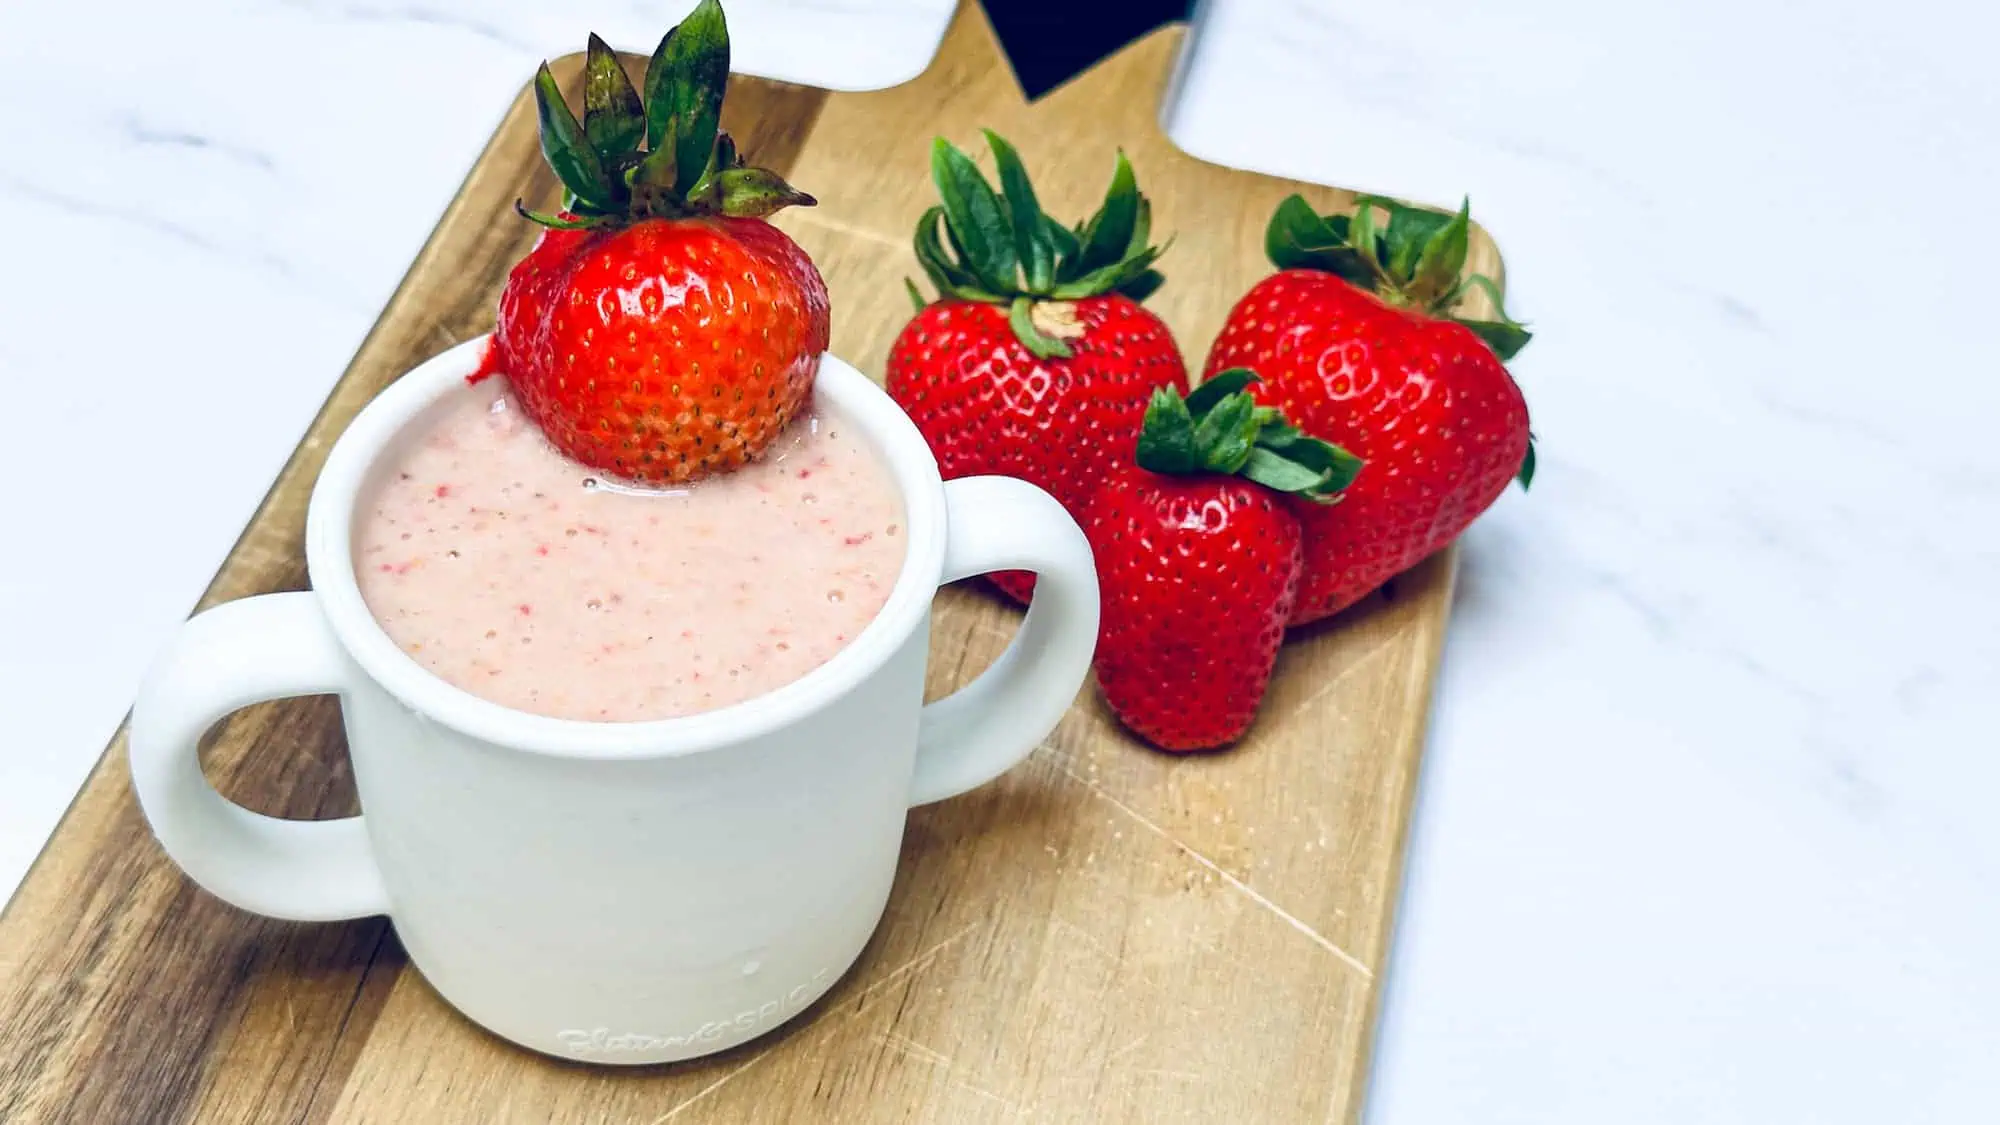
553,222
1021,318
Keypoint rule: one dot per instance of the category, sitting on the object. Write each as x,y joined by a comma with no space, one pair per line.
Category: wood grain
1105,935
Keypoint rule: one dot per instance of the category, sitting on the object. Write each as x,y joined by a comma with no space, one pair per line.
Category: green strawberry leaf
916,295
1217,387
950,278
1297,238
613,117
1072,263
1004,245
725,156
756,192
1361,236
974,219
943,272
1141,263
1144,285
1337,465
1408,231
1166,437
1219,428
1225,433
659,108
1505,337
1109,277
684,87
951,243
565,147
688,166
1109,232
656,170
1020,318
1032,242
1281,474
557,222
1442,258
706,195
1142,227
1065,242
1527,474
1489,287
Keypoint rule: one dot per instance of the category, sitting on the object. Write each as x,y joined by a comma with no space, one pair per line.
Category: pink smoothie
514,573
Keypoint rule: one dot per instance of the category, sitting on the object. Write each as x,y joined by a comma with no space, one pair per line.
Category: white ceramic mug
615,892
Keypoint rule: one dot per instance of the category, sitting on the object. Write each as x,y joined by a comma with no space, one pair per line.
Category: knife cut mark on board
1319,939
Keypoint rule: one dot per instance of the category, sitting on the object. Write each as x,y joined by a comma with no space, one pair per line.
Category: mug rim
330,570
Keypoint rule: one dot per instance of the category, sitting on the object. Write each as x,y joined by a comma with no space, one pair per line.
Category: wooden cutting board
1105,935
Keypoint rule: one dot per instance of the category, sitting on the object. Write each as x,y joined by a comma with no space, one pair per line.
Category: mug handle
983,729
232,656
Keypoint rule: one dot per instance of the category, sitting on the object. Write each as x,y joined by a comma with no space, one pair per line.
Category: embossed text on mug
604,1040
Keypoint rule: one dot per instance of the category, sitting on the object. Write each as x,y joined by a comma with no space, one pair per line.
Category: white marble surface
1704,834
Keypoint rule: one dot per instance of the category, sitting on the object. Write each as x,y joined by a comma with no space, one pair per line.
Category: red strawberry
1356,341
1198,560
1037,359
524,302
662,330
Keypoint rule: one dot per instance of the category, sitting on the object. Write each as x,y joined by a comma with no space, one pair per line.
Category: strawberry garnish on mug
661,330
1199,555
1358,339
1036,360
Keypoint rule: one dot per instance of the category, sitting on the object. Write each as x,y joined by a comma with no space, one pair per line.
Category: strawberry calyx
1413,258
1219,428
1000,247
688,165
